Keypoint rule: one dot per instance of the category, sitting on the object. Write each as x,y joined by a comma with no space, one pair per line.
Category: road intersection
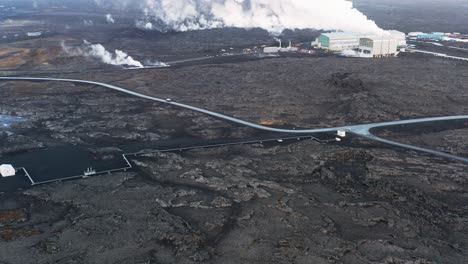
363,130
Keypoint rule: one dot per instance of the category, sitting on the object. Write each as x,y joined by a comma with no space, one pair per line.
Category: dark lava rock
346,81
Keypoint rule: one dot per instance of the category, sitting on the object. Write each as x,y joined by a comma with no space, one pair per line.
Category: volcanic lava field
355,201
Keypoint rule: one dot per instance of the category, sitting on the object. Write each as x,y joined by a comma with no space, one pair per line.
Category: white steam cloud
144,24
151,63
271,15
98,51
110,19
88,22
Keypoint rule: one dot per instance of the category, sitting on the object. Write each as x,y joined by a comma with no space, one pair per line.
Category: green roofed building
337,41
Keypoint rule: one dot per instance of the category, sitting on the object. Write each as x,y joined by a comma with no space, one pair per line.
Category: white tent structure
7,170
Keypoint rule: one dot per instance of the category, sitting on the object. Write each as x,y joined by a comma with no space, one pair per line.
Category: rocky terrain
301,203
342,92
315,203
443,136
313,92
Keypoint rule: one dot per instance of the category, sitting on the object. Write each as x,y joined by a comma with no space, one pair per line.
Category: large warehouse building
400,37
337,41
368,45
377,47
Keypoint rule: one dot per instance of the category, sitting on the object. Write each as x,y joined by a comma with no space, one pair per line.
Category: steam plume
88,22
144,24
271,15
110,19
98,51
152,63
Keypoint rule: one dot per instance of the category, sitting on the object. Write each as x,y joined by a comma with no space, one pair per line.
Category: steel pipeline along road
128,165
359,130
437,54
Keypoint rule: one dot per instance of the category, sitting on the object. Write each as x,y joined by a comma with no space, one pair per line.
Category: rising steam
110,19
142,24
271,15
98,51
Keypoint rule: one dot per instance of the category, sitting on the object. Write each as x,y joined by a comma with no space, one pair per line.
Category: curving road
360,130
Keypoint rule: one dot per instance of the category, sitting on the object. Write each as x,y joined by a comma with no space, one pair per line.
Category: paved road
360,130
438,54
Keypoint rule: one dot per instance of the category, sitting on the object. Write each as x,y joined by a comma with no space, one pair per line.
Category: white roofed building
414,34
338,41
375,47
271,49
7,170
400,37
34,34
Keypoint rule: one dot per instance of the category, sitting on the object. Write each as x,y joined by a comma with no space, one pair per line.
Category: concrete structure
341,133
34,34
271,50
290,48
7,170
338,41
375,47
400,37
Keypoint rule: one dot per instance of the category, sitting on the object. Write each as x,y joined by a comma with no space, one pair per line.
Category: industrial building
422,35
433,36
34,34
414,34
377,47
400,37
367,46
438,36
338,41
280,48
271,49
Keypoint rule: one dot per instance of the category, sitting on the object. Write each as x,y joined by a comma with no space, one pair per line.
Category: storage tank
7,170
